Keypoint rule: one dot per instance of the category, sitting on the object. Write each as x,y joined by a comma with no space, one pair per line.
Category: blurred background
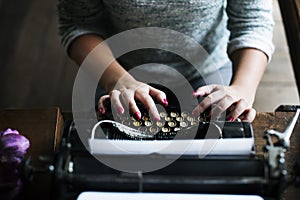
35,71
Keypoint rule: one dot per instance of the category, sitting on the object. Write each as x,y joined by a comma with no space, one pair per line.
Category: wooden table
279,121
43,127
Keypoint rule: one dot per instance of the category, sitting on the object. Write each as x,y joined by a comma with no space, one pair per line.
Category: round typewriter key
183,124
194,123
148,123
146,118
173,114
168,118
184,114
137,123
126,122
165,129
163,114
153,129
172,124
179,119
201,119
142,128
160,123
190,118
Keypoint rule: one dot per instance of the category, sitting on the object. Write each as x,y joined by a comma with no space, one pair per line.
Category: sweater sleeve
76,18
250,23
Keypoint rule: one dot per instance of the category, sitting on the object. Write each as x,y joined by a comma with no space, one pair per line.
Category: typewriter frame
218,174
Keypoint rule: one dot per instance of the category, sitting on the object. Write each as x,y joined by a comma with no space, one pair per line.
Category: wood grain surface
279,121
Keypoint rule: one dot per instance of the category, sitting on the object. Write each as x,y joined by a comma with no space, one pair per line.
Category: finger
248,115
208,101
240,107
101,106
205,90
221,107
148,102
116,102
160,96
129,101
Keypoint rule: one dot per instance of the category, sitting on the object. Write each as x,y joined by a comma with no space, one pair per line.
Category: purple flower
13,146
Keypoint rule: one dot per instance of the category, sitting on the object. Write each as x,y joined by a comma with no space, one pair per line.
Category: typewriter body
77,168
230,166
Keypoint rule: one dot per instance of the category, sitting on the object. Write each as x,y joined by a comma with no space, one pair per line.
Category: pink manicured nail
165,102
157,118
101,110
121,110
137,115
195,93
230,118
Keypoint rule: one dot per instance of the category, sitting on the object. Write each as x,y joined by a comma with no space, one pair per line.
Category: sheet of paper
161,196
232,146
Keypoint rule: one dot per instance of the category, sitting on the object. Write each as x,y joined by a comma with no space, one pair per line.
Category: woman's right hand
123,90
125,94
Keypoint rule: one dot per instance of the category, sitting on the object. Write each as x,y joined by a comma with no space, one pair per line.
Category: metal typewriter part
189,135
169,126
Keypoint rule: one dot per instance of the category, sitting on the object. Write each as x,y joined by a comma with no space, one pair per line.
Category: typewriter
77,169
89,161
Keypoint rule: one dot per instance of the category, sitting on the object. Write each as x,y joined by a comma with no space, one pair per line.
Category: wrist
115,76
247,92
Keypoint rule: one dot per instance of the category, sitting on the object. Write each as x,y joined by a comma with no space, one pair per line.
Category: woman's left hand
233,99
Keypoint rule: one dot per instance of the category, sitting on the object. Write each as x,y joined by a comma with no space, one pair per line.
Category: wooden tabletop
43,127
279,121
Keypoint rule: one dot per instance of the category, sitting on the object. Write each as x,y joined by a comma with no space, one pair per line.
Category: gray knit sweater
220,26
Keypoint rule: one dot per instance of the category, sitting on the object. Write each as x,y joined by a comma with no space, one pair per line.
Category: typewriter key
160,123
184,114
148,123
137,123
190,118
146,118
174,114
165,129
183,124
163,114
168,118
201,119
153,129
142,128
126,122
172,124
194,123
179,119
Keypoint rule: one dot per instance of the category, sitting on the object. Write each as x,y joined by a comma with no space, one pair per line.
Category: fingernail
157,118
121,110
165,102
137,115
101,110
195,93
230,118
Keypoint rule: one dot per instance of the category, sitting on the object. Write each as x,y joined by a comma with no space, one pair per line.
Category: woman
236,34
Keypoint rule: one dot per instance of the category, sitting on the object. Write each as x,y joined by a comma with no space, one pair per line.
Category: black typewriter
77,169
